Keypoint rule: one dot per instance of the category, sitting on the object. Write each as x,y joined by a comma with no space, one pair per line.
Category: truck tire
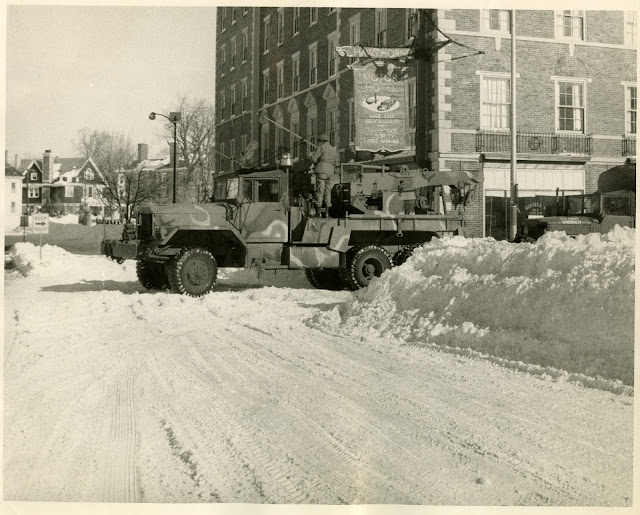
405,253
325,278
193,272
363,264
152,276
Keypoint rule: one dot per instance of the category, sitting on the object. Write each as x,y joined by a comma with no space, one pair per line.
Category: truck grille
145,226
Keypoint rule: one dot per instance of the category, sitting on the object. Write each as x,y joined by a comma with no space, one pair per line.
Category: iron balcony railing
534,143
628,145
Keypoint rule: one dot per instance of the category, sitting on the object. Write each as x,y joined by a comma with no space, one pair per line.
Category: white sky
105,68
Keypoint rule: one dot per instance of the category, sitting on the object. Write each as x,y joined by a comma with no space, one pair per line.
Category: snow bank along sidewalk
559,303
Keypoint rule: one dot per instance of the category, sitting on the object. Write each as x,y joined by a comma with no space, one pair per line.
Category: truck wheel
325,278
405,253
193,272
363,264
152,275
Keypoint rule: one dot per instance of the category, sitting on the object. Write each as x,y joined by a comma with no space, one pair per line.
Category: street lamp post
174,118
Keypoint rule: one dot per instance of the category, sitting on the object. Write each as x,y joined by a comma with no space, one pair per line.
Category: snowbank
66,219
560,302
32,260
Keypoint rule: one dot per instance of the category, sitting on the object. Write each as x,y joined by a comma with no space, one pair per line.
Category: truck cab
597,212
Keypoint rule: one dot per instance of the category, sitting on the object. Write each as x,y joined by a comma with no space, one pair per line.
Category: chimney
16,165
143,152
47,166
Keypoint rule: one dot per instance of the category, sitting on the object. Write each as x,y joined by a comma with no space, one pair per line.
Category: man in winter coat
326,159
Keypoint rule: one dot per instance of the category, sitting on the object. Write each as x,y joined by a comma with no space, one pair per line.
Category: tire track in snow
242,442
120,480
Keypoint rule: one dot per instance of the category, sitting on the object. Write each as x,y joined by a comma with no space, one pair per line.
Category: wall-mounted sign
364,52
380,107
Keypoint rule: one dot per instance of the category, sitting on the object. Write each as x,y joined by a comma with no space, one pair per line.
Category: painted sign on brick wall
381,109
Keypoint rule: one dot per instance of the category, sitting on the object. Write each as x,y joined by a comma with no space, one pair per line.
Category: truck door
264,216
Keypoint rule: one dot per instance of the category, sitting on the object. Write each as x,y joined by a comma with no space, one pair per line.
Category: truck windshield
225,189
583,204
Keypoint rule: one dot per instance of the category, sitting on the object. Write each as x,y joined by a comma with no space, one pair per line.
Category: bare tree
195,140
122,184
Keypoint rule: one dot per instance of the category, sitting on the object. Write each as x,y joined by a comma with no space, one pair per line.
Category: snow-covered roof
10,171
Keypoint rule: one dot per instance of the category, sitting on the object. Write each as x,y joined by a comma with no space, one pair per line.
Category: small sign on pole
41,226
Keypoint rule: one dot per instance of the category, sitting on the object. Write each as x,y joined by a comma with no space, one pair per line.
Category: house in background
74,187
60,184
33,187
12,197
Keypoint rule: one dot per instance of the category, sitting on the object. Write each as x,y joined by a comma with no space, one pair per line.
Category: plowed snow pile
560,302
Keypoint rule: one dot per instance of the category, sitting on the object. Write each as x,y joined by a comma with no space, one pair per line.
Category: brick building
576,93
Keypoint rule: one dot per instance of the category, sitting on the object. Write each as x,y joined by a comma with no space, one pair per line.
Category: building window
245,46
233,100
232,151
223,160
496,20
267,34
312,128
88,175
411,25
573,24
245,95
280,25
223,103
630,28
265,87
232,59
631,110
90,192
334,58
13,187
223,59
381,27
295,72
411,103
223,23
68,191
354,35
352,121
265,143
34,192
294,140
13,207
280,79
570,106
332,126
495,102
313,64
243,143
34,176
313,15
296,21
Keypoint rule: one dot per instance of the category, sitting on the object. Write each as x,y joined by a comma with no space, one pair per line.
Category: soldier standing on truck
325,158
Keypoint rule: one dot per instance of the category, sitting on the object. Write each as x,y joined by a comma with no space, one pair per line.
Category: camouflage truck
613,204
261,219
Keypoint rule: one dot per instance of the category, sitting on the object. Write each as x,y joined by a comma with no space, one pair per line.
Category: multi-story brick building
576,93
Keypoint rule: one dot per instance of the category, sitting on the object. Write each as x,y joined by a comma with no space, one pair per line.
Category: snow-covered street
450,381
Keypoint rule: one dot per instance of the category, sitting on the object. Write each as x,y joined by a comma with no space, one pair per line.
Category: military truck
262,219
613,204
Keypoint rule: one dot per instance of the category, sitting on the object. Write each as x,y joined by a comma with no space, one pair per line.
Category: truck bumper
116,249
